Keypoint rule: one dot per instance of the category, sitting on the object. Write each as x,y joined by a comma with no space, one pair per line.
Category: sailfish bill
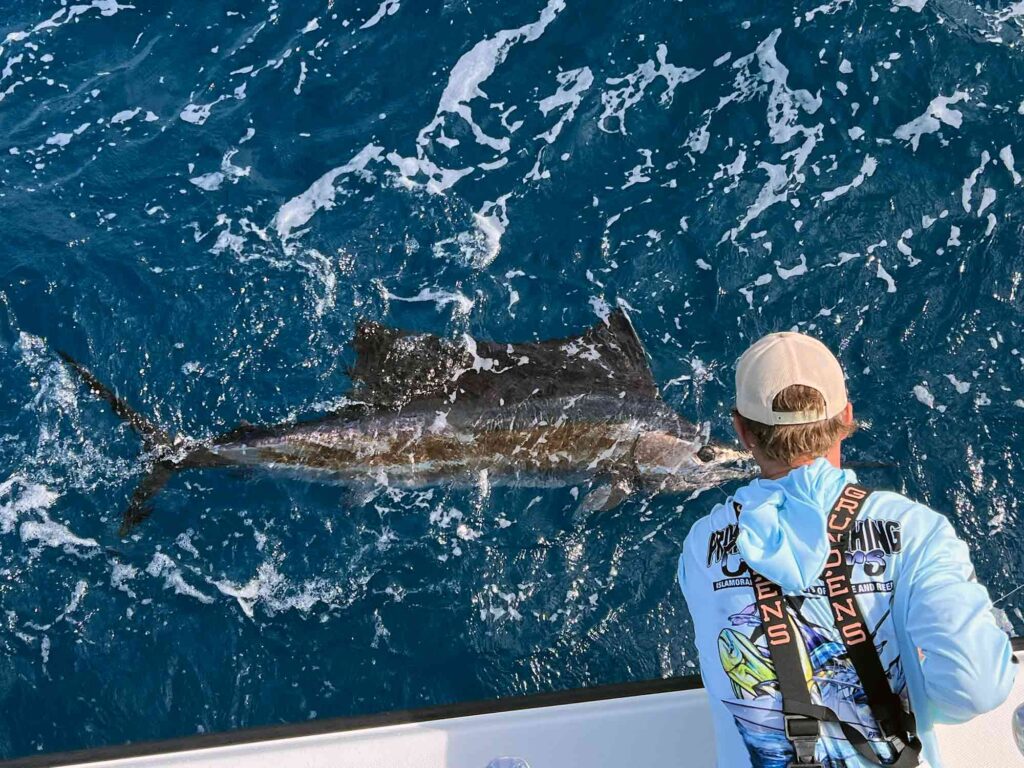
433,410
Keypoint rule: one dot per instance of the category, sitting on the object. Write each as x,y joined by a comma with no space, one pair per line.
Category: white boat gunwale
335,725
342,724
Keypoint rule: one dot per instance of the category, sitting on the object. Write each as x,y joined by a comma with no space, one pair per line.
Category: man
801,583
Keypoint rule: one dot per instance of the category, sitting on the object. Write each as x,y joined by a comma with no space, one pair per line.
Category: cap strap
807,416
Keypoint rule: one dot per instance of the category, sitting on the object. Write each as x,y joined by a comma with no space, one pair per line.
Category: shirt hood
783,523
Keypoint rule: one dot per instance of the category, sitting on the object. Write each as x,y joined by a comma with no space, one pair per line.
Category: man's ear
848,413
746,439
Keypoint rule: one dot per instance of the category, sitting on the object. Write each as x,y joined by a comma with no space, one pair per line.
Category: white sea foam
25,504
479,246
1006,155
990,225
785,106
302,78
441,298
867,170
799,269
197,114
572,84
320,195
50,533
988,196
883,274
828,8
387,8
60,139
924,396
464,86
19,495
120,575
963,387
124,116
601,307
634,85
274,593
162,566
228,171
69,14
937,114
638,173
915,5
968,187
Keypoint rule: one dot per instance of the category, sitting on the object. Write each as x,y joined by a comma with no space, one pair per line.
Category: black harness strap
802,717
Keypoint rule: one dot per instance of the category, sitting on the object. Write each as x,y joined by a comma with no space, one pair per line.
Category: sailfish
427,410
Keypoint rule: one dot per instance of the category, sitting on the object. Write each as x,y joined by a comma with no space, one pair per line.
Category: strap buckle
897,722
803,733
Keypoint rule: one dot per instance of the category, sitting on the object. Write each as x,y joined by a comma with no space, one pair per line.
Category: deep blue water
199,200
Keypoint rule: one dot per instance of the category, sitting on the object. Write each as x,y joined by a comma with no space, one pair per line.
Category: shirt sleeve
966,660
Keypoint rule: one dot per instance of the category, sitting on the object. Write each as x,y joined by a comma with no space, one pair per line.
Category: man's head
791,404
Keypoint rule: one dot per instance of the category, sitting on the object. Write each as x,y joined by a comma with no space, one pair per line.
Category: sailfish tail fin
153,437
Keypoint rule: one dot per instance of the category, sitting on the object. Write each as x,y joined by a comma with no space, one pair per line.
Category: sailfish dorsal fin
394,367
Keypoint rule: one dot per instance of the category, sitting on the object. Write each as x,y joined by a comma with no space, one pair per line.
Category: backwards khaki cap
780,360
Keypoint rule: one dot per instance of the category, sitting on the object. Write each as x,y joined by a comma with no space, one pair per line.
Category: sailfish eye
706,454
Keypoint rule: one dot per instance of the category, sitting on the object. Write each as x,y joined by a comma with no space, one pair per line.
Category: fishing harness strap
801,716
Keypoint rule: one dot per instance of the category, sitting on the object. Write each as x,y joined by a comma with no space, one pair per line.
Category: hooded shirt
931,621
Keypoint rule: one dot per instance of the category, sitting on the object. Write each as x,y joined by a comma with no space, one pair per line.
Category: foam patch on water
18,496
480,246
387,8
934,117
162,566
463,304
124,116
21,498
1006,155
867,170
464,86
619,101
120,575
477,65
915,5
883,274
274,593
320,195
49,533
209,182
967,190
67,15
756,73
572,85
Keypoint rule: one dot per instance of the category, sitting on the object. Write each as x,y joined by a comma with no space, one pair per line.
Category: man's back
913,582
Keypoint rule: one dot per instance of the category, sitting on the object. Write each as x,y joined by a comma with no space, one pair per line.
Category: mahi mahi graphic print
831,678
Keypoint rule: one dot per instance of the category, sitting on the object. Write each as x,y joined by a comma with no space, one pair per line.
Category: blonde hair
790,443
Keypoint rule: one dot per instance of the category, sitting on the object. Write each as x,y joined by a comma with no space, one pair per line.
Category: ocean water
199,201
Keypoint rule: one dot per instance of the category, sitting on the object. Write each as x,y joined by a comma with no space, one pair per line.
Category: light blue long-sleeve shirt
931,620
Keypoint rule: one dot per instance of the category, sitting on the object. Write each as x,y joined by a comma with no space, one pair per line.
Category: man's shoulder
893,503
918,521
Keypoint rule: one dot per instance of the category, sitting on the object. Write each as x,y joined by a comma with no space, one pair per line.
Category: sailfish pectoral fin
358,495
606,496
